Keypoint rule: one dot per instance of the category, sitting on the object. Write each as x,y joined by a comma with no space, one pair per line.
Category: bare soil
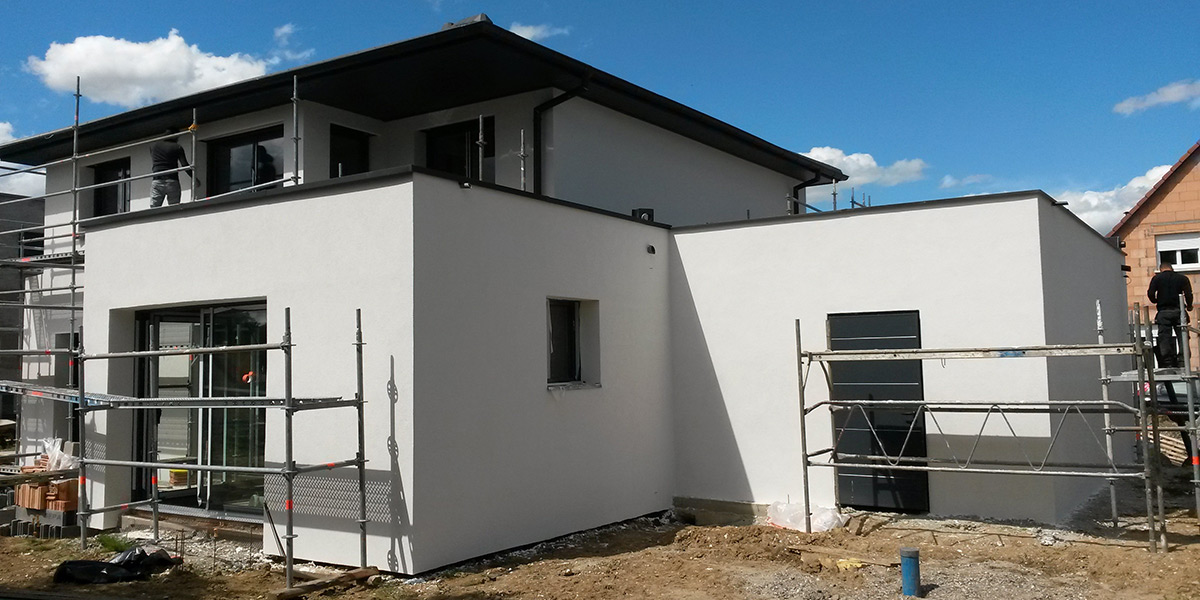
664,558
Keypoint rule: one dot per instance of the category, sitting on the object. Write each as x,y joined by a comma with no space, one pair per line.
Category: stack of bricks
61,496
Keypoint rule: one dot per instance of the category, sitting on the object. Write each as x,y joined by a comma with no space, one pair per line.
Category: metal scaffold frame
288,402
88,402
72,260
1143,411
93,402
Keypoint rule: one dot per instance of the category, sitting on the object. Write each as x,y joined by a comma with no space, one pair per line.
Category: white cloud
1184,90
1102,209
538,33
130,74
283,33
283,50
24,184
950,181
862,169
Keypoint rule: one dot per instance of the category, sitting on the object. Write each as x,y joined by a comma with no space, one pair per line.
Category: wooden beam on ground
838,552
320,584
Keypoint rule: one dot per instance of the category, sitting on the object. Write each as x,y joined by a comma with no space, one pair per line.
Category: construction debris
842,554
319,584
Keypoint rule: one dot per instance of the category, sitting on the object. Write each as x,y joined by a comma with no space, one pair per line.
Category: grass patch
114,543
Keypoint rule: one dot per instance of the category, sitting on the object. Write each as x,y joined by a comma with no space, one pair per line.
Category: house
544,353
1164,226
25,217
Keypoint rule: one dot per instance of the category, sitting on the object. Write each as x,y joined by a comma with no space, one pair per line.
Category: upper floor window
1182,250
456,149
246,160
349,151
110,199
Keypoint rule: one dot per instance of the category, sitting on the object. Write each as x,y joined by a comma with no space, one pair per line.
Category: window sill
572,385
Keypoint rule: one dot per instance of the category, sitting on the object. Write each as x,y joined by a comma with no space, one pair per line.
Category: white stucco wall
500,461
1079,268
972,269
600,157
307,253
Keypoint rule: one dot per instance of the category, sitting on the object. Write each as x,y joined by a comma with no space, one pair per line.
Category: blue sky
915,100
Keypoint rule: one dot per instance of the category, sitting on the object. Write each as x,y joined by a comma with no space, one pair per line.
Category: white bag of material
791,516
58,460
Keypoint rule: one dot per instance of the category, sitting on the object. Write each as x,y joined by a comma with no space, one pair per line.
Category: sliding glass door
208,436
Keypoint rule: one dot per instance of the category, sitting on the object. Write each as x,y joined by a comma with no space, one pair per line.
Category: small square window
573,349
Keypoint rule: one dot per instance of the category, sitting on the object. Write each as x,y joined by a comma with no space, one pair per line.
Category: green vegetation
114,543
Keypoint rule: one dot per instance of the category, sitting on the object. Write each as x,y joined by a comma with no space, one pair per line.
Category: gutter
803,184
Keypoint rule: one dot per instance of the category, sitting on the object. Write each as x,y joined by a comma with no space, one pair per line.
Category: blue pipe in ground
910,572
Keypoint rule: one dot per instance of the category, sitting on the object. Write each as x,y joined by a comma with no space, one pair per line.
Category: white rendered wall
603,158
973,270
1079,268
500,461
323,254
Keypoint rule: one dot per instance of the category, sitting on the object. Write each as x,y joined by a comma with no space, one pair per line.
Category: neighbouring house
1164,226
578,301
15,214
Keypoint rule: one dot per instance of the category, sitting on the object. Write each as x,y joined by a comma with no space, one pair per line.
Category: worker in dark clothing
1164,292
167,154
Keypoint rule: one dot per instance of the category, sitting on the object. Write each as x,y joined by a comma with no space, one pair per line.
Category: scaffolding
1143,412
33,237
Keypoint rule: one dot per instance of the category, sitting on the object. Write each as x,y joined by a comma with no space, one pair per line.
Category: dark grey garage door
871,488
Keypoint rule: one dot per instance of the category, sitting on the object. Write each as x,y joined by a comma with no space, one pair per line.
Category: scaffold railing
289,403
69,259
992,416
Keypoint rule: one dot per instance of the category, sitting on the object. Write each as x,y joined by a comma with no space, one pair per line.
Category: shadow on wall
328,500
397,503
708,459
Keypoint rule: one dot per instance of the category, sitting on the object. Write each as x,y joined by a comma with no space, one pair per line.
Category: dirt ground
661,557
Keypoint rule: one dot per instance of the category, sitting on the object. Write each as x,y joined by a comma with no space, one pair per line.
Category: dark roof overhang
459,65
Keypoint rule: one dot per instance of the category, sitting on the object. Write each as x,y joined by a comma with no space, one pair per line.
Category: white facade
453,289
1010,272
686,338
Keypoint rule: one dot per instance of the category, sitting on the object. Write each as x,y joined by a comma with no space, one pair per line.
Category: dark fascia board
275,89
307,190
850,213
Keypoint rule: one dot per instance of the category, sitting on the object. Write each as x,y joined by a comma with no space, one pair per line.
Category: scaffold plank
946,353
54,393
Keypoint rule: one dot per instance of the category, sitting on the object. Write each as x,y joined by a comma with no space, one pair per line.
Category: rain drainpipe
803,184
538,111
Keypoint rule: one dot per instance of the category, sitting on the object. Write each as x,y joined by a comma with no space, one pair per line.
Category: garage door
871,488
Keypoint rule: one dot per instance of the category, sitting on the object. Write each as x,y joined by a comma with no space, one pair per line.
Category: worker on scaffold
165,155
1164,291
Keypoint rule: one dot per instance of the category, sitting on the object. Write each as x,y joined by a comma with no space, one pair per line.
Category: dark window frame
453,149
358,143
114,198
219,173
562,341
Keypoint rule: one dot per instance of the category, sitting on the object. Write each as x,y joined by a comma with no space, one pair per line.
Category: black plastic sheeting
131,565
